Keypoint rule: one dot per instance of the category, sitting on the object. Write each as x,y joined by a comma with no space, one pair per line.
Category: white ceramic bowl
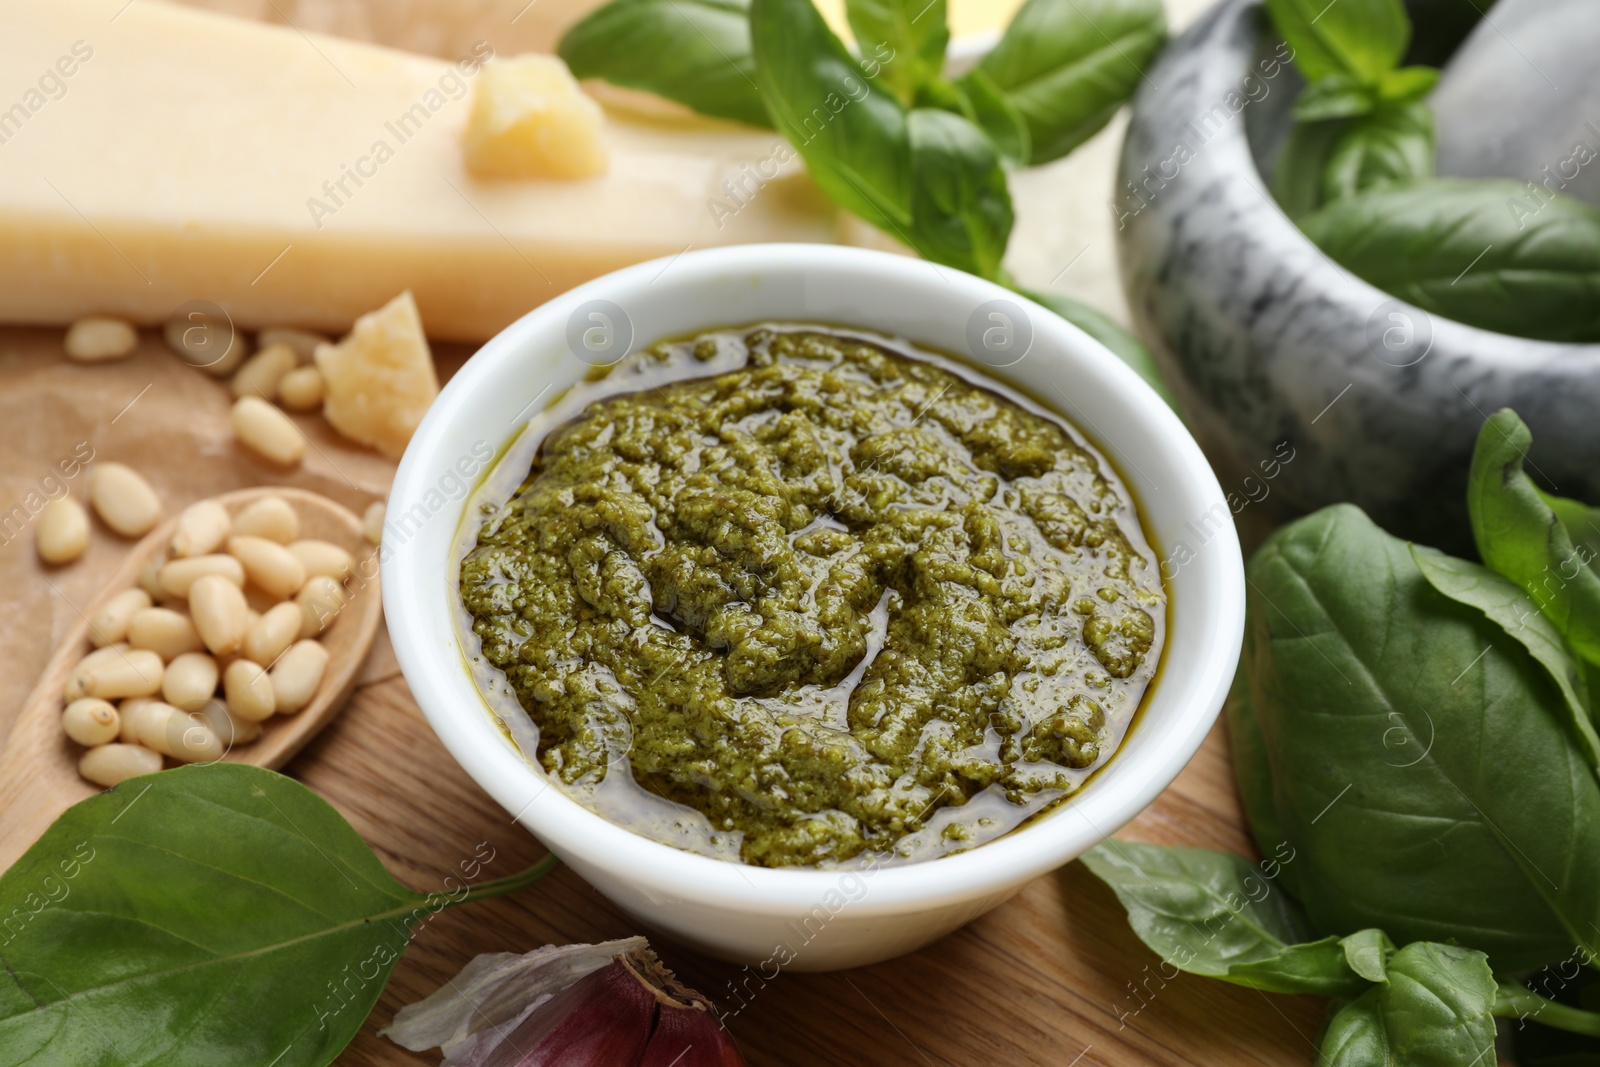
799,918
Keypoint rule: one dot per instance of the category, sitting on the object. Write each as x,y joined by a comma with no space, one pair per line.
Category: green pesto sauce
821,597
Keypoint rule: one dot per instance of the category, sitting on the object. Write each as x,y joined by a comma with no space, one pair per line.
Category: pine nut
63,531
195,341
123,499
249,691
372,522
135,672
322,557
271,517
150,579
78,679
110,765
319,602
132,711
190,681
273,632
260,373
179,575
178,734
301,389
110,623
268,564
167,633
202,527
229,729
91,722
267,431
220,613
97,340
304,342
297,675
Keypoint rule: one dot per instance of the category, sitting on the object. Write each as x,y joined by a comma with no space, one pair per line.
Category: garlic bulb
606,1005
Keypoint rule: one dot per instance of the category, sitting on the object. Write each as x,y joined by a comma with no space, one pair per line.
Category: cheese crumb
530,120
379,380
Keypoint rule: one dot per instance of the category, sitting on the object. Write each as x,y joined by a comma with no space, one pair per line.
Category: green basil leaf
1505,602
198,899
1582,523
1393,144
1297,177
1475,251
1124,345
1361,38
696,52
1435,1010
992,111
1583,526
1216,914
1368,951
942,92
166,921
1520,535
960,206
1067,65
914,33
1423,768
1252,773
1337,96
1407,84
1317,967
851,134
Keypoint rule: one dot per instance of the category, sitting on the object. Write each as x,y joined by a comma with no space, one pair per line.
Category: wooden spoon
39,767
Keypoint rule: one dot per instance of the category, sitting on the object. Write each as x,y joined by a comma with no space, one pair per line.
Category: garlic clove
494,991
612,1004
690,1037
601,1020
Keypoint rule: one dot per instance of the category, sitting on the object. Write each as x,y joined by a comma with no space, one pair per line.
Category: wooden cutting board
1053,977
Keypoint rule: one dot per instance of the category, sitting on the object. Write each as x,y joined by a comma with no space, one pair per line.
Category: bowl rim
443,687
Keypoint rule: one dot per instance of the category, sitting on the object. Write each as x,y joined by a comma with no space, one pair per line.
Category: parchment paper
165,419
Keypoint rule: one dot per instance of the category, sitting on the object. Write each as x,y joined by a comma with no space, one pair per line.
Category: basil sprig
1215,914
883,131
1356,174
208,916
1361,121
1414,740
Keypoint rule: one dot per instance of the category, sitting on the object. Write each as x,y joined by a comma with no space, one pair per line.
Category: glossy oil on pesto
801,594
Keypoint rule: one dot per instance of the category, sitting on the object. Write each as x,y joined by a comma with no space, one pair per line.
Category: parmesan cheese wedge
298,178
